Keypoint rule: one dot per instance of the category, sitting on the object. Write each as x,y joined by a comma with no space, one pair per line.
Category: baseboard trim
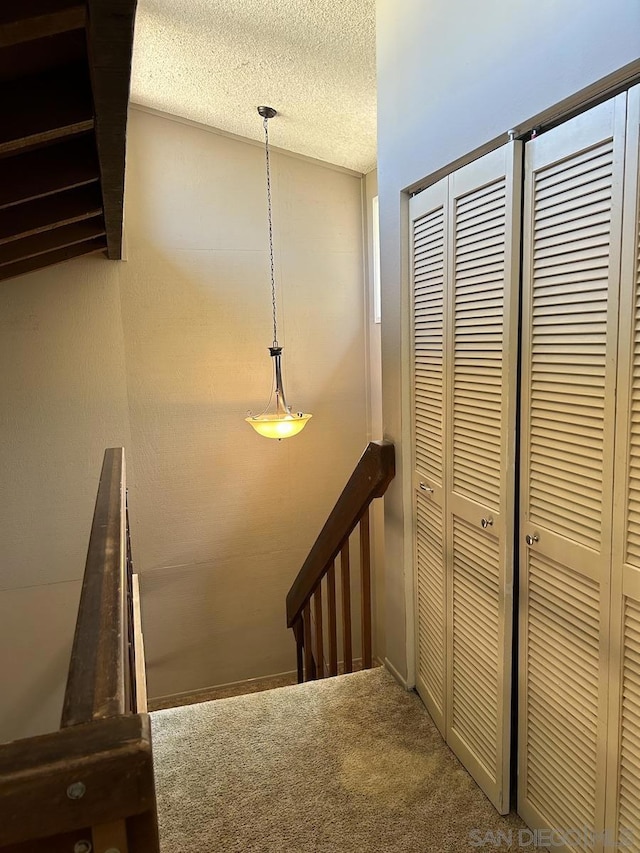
394,672
189,697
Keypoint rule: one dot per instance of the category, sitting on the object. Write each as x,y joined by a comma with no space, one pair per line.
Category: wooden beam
45,214
110,41
49,241
50,259
45,107
40,20
81,776
39,173
13,10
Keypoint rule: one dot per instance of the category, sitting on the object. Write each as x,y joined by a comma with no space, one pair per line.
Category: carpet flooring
352,763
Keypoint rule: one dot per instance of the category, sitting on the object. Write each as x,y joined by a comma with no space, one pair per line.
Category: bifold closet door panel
429,272
465,255
571,277
481,356
623,794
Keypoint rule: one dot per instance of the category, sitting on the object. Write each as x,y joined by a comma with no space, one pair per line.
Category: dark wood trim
319,646
309,673
49,241
41,21
60,843
298,633
365,588
345,576
17,10
370,479
66,72
97,681
110,40
110,758
37,174
332,626
40,137
59,256
92,781
142,832
33,217
45,107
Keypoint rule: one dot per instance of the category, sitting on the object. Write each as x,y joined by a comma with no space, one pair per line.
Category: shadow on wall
38,702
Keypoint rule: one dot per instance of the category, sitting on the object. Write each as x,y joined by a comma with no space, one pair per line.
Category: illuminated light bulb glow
281,422
278,426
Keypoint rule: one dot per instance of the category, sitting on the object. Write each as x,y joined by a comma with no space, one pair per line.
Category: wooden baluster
365,597
317,606
131,684
309,674
346,607
333,633
298,634
110,836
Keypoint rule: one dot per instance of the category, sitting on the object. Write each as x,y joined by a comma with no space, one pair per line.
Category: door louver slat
473,603
548,628
629,781
478,324
632,555
569,324
625,707
430,593
428,333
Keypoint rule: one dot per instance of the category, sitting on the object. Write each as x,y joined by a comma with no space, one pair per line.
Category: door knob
531,540
425,488
487,522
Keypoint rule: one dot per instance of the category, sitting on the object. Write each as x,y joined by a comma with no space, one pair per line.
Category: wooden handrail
98,683
370,479
58,789
89,785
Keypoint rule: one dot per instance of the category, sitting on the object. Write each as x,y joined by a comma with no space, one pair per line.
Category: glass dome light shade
279,426
280,422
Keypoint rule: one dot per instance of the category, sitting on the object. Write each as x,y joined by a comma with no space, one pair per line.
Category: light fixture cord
273,280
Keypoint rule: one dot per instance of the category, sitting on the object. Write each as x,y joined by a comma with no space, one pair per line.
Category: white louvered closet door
571,273
623,787
481,348
465,311
429,274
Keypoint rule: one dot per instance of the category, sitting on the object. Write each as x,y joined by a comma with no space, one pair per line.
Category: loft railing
317,654
101,681
89,786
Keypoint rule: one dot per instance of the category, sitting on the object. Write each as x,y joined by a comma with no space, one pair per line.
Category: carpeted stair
352,763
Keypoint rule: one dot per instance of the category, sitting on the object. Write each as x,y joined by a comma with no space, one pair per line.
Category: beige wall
374,388
63,393
165,353
453,78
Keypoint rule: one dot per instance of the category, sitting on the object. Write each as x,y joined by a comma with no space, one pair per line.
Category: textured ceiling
214,61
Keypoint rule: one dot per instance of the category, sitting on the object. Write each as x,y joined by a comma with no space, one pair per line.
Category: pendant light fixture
277,420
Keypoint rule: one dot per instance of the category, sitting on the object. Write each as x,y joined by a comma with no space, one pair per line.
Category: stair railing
89,786
315,656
